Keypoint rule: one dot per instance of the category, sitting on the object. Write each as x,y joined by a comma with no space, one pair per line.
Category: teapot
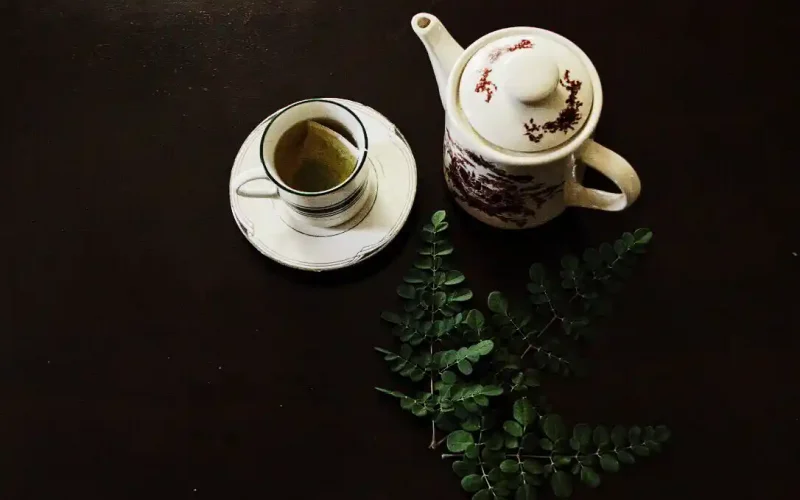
521,105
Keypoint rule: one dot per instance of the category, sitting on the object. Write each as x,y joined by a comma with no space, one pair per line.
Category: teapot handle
612,166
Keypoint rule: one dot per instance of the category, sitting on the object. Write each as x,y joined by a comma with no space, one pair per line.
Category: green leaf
562,460
512,428
454,278
626,457
530,442
533,466
583,434
495,442
472,424
472,483
439,299
609,462
570,262
415,276
553,427
607,253
590,477
592,259
509,466
643,236
475,319
482,348
498,303
524,413
512,443
483,494
619,436
525,492
464,367
445,248
600,435
662,433
635,435
392,318
628,239
641,450
653,446
438,217
449,377
457,441
461,295
620,248
546,444
424,263
536,273
464,467
561,482
471,451
492,390
406,291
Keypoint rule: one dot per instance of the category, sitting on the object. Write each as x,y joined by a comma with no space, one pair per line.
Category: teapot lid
525,93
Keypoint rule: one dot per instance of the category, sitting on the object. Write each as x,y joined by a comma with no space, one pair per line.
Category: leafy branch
468,361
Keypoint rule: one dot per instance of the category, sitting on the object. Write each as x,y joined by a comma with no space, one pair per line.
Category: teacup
326,208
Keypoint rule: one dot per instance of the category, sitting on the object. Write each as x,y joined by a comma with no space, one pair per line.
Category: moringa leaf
600,435
509,466
533,466
498,303
453,278
464,467
416,276
512,428
439,299
391,317
523,411
553,427
461,295
619,436
525,492
662,433
609,462
424,263
445,248
438,217
583,434
474,319
457,441
464,367
483,494
626,457
590,477
570,262
561,482
449,377
406,291
472,483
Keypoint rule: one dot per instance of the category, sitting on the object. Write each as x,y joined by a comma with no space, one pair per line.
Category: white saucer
269,227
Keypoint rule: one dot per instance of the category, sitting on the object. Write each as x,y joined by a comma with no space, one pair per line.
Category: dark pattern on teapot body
484,186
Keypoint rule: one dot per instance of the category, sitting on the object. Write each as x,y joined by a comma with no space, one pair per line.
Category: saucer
276,232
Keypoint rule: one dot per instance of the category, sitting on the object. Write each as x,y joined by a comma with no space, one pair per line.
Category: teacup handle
612,166
265,190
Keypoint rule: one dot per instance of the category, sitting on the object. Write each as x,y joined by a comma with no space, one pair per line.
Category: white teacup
327,208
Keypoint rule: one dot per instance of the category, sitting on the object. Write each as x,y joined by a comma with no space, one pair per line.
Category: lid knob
531,75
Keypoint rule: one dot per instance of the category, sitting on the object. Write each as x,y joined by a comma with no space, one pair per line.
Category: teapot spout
443,50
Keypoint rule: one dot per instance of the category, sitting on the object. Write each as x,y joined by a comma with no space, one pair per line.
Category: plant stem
452,455
433,443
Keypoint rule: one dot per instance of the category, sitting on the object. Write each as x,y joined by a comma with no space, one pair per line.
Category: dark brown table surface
148,351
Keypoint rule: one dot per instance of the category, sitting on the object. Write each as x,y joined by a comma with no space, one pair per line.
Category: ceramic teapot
521,106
